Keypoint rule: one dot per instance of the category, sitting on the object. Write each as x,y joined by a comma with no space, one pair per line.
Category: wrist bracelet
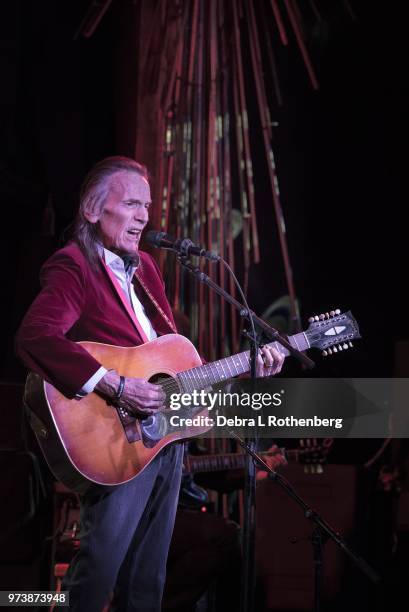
120,390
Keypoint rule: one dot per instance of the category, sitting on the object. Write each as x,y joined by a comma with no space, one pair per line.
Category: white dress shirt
117,267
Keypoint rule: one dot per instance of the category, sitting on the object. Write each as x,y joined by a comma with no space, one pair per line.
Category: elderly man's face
126,212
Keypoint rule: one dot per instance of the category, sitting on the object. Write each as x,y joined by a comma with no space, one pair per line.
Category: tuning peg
311,320
327,315
337,312
322,316
324,353
316,318
319,469
350,344
340,347
345,346
335,350
329,351
332,313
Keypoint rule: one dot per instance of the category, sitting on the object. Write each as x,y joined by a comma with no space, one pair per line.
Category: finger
148,393
146,411
276,355
266,353
141,401
279,366
146,407
260,361
150,402
278,360
156,395
154,390
261,369
267,357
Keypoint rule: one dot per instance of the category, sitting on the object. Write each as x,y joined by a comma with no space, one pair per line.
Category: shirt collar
113,260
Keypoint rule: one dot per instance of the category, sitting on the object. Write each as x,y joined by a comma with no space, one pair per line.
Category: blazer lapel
165,319
126,304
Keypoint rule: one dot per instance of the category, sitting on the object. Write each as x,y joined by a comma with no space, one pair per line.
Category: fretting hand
269,361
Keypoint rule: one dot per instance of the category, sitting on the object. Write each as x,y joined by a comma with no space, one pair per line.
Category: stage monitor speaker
285,570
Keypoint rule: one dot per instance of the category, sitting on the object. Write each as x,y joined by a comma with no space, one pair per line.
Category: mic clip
184,247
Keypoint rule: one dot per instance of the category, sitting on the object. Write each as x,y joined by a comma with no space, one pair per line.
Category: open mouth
135,233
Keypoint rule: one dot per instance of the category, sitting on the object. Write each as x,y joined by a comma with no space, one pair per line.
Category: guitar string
209,368
200,381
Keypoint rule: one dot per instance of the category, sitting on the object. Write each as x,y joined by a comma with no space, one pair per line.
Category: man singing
100,287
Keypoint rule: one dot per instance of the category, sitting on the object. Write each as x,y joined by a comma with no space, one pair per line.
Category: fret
224,376
243,358
223,462
229,461
299,341
227,362
233,363
196,380
183,381
192,378
280,348
211,373
206,376
214,463
215,373
188,381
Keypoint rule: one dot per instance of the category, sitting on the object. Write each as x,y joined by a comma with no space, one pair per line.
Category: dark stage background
340,153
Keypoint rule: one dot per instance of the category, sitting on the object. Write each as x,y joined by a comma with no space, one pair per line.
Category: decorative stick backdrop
205,61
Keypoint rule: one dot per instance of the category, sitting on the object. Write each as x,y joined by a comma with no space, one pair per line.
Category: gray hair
93,195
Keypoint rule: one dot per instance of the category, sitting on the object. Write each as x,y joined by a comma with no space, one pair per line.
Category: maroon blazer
77,303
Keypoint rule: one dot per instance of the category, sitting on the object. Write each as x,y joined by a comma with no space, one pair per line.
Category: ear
92,217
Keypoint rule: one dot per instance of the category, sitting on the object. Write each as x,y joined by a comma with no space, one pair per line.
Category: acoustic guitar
313,454
91,441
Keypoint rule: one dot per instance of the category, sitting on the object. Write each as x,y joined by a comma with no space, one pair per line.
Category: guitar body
89,441
84,440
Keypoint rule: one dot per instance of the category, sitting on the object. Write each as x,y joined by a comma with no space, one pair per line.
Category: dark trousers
205,552
124,540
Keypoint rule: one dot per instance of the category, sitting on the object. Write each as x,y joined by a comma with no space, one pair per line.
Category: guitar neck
225,461
214,463
229,367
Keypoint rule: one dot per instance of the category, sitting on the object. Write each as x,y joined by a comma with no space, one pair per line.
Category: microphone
183,246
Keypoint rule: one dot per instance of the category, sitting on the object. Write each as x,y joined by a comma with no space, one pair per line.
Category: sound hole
168,384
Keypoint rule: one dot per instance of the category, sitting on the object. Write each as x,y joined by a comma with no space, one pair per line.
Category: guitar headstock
310,453
332,332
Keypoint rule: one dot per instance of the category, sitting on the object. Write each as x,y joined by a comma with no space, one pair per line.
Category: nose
141,215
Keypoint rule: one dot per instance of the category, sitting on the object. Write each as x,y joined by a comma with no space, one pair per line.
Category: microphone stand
321,533
248,582
269,332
